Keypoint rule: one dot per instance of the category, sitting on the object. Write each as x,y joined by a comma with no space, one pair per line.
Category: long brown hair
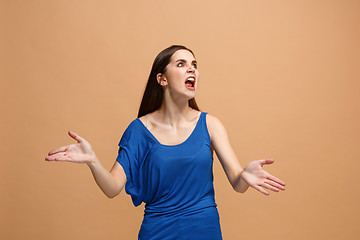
154,94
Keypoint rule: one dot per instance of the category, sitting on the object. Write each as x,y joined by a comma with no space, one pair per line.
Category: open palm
258,178
80,152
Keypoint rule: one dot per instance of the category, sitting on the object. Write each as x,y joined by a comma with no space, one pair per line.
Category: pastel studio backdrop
282,76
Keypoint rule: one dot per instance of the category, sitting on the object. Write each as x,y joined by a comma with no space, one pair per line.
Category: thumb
266,161
76,137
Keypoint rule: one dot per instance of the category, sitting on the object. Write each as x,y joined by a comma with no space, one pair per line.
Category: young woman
165,156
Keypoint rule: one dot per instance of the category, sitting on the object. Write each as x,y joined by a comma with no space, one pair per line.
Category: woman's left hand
255,176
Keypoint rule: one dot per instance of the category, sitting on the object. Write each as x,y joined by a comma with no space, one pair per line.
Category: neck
173,112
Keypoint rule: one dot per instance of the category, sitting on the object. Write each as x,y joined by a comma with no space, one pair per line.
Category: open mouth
190,83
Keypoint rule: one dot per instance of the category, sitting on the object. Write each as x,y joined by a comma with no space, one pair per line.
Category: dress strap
204,128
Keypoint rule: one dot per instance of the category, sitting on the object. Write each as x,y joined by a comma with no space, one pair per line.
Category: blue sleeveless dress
174,181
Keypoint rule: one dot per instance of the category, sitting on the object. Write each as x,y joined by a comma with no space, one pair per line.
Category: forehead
182,54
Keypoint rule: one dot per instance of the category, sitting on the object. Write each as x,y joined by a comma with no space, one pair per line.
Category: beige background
282,76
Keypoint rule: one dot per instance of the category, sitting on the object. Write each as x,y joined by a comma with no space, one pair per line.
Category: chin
190,96
183,95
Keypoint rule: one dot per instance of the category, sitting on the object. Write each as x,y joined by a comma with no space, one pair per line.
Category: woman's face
181,76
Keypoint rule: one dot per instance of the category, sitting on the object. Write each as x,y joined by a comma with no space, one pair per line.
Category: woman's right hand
80,152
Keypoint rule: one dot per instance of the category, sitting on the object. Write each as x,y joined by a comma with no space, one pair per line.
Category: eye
195,65
180,64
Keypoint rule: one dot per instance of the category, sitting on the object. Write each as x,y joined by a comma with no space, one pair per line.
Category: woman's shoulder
214,125
136,134
146,118
132,131
212,120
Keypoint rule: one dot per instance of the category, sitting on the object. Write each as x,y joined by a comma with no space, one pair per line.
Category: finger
275,184
57,150
76,137
58,157
266,161
260,189
268,186
275,179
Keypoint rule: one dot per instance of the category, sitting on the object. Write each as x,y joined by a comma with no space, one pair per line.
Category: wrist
242,174
242,184
92,160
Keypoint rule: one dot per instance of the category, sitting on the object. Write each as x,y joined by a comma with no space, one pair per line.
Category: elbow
239,190
111,195
114,193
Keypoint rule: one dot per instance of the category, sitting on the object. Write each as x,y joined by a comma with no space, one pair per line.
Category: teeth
191,79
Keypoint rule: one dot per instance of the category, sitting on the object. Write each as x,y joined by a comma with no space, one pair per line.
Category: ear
161,79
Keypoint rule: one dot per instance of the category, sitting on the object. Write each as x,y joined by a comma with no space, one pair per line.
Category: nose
191,68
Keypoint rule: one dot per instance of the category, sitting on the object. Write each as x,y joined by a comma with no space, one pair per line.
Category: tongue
188,84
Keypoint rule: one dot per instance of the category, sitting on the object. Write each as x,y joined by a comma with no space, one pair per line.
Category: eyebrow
183,60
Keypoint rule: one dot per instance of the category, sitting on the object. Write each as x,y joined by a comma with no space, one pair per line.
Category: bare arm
110,182
252,175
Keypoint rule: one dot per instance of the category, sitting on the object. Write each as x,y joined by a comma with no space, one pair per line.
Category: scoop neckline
175,145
